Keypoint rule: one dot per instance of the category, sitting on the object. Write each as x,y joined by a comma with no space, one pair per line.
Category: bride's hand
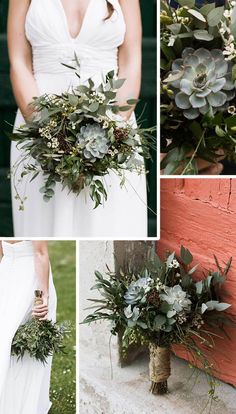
205,167
41,311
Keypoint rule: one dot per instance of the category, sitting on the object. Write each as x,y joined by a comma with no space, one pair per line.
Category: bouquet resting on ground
162,306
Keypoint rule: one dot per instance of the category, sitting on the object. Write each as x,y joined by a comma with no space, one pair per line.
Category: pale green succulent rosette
93,141
201,81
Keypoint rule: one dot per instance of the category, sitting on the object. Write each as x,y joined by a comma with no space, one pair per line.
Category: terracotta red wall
201,215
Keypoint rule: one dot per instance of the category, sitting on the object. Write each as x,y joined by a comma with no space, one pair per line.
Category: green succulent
137,290
93,141
201,81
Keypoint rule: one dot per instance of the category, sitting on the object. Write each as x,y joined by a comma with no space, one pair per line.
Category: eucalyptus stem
193,155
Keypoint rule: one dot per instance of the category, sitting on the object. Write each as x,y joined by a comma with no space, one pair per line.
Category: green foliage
39,339
78,137
162,299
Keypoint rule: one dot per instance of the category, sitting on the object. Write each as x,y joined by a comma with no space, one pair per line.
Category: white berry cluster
97,97
174,264
45,132
159,286
226,34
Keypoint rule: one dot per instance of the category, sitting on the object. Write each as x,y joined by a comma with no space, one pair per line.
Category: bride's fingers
43,306
206,167
36,311
213,169
41,317
202,164
40,314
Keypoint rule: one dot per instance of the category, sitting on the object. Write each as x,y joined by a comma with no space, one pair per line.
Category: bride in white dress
24,268
105,35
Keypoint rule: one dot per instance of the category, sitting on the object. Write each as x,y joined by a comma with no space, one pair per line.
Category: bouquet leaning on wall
164,306
78,137
198,81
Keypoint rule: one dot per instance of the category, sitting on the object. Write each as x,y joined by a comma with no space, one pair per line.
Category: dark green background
8,110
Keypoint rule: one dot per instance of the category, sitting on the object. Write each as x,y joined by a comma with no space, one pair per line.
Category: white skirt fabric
124,214
24,384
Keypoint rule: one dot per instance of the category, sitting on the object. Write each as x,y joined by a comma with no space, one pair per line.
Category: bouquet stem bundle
159,368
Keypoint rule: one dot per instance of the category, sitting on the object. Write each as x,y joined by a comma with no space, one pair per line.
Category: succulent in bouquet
39,339
162,306
198,74
79,137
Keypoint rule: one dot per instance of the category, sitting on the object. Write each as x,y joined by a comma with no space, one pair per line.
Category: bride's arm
130,53
20,55
41,261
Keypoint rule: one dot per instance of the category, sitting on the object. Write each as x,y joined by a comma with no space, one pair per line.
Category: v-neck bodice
83,20
96,44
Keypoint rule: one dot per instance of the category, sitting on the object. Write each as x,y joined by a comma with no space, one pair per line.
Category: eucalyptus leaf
188,3
186,256
197,15
214,16
159,321
203,35
222,306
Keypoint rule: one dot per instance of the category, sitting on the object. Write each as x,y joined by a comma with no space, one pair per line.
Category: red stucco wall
201,215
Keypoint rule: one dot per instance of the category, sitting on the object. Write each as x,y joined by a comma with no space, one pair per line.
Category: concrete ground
128,391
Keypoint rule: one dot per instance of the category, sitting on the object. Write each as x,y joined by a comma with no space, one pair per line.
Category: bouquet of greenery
78,137
198,74
163,306
39,338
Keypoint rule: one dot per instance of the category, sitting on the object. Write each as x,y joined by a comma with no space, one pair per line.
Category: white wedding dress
124,214
24,384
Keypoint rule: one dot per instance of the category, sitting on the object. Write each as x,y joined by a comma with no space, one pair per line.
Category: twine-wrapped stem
159,368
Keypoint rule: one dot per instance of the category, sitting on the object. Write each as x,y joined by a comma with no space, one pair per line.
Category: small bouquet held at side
77,138
198,84
162,306
39,339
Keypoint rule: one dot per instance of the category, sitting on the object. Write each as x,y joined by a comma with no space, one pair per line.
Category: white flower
105,124
174,264
227,14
